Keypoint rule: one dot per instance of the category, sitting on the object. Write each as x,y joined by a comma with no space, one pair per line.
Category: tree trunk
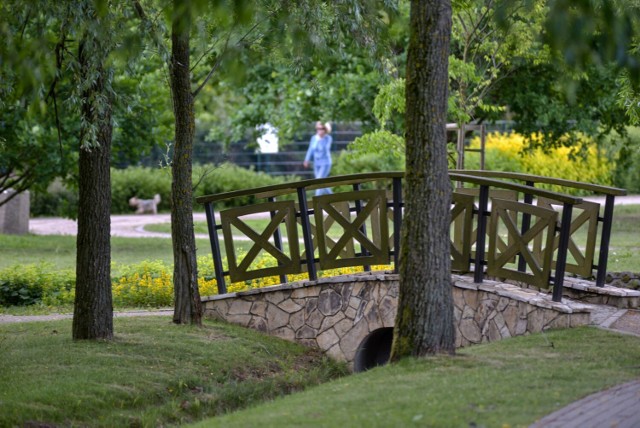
93,307
188,308
424,324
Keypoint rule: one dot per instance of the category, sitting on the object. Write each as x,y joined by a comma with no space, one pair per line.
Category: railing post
526,224
363,228
397,221
479,262
603,259
215,248
277,240
563,245
306,233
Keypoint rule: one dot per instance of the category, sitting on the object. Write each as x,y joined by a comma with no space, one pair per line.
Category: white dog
145,205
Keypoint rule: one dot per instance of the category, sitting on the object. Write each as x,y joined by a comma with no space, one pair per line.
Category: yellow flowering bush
145,284
506,152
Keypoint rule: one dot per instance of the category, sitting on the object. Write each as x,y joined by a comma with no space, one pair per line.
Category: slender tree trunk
188,307
424,324
93,308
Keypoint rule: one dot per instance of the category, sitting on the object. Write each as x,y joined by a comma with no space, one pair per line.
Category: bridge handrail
342,180
594,188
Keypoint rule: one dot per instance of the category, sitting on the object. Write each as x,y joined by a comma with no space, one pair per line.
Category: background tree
424,323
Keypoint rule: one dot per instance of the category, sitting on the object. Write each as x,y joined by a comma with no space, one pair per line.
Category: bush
141,182
229,177
146,182
22,285
57,201
506,152
626,155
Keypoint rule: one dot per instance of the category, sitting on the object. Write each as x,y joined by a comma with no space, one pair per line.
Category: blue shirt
319,150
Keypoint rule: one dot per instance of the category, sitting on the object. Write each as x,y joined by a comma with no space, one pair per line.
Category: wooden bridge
503,226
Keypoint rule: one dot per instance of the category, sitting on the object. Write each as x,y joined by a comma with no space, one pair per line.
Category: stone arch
374,350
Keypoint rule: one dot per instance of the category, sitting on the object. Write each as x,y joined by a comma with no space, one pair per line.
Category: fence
526,242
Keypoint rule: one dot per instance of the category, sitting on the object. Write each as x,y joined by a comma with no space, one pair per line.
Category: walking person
319,153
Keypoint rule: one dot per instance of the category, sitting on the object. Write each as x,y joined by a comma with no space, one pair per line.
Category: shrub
57,201
22,285
141,182
626,155
228,177
507,152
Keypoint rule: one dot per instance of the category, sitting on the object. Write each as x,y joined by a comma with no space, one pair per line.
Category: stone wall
14,215
337,314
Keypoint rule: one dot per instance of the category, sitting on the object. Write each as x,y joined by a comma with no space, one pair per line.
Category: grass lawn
511,383
61,250
153,374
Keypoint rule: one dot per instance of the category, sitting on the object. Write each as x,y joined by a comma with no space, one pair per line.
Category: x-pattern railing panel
331,254
348,250
587,218
283,212
462,219
543,221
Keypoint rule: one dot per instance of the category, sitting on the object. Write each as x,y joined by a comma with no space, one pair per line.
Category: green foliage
22,285
228,177
625,153
141,182
58,200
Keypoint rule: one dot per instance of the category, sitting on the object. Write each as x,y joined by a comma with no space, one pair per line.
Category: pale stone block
336,353
314,319
561,321
306,332
304,293
342,327
276,317
493,332
258,323
372,316
240,307
457,314
288,305
521,327
329,302
502,304
471,298
357,288
329,322
14,215
239,319
354,302
350,342
388,307
350,312
275,297
510,315
535,321
312,305
346,295
579,319
549,317
360,311
309,343
468,313
327,339
285,333
259,308
470,331
296,320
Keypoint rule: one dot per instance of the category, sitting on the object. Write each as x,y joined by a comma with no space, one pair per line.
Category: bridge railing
591,217
361,227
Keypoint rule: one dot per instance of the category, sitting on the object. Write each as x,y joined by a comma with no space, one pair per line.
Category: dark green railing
534,234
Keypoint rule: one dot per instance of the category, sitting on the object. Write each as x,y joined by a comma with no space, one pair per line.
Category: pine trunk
93,307
188,307
424,324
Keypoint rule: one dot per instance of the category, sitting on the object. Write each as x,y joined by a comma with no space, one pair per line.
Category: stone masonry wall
337,314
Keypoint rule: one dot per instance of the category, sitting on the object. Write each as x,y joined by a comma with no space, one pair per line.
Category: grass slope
154,373
504,384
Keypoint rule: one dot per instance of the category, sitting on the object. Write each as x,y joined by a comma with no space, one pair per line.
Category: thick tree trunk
188,308
93,308
424,324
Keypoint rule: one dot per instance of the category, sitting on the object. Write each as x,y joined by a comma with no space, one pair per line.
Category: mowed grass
61,250
511,383
153,373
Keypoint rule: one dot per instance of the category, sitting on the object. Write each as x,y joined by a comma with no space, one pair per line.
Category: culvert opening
374,350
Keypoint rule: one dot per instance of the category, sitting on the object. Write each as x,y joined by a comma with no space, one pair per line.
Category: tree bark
188,307
424,324
93,307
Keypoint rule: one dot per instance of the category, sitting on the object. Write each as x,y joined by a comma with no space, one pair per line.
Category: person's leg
322,171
